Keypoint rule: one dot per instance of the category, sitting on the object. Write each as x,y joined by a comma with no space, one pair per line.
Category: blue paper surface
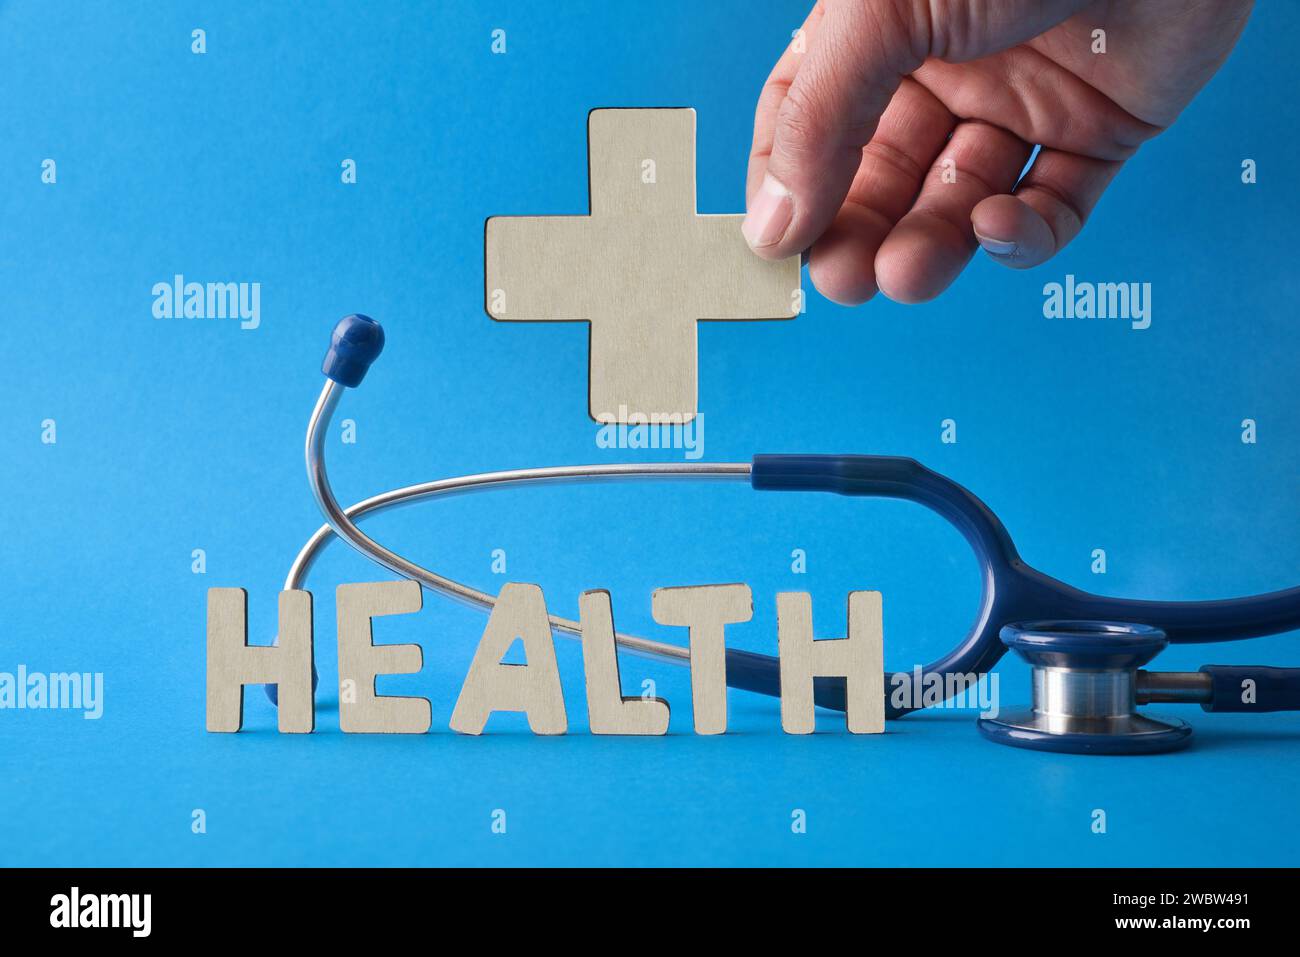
175,435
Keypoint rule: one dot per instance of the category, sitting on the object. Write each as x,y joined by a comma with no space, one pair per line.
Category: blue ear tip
356,342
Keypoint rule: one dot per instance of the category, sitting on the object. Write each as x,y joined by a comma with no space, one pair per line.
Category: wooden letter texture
706,610
608,711
233,664
491,685
641,269
360,660
859,659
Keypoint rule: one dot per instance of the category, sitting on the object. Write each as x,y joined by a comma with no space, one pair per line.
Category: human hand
892,143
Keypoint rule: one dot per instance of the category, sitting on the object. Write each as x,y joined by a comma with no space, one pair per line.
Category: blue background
176,435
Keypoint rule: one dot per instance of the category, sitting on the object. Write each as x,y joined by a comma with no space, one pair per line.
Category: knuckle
799,119
772,95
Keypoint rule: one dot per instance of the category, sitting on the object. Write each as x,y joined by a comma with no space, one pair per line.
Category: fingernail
769,214
996,247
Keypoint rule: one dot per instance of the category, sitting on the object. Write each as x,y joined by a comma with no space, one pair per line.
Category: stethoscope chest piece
1085,677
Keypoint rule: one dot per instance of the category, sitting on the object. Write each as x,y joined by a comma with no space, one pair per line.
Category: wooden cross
642,269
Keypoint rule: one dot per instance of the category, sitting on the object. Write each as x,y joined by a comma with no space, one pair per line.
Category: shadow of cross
642,269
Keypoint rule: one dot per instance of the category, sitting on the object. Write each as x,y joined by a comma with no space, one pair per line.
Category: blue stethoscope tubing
1012,591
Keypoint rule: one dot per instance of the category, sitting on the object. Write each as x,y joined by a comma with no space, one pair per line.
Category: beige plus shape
642,269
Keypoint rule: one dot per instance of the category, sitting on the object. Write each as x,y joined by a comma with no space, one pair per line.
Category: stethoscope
1086,651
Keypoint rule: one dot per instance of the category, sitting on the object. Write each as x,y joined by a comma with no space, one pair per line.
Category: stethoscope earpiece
355,344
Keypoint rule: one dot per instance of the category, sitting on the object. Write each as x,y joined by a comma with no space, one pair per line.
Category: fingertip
1012,233
799,197
770,212
844,287
841,263
920,258
906,290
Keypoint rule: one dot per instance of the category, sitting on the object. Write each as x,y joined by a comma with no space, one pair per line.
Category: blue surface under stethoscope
1086,651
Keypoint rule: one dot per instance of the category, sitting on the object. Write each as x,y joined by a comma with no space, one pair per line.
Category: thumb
857,59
